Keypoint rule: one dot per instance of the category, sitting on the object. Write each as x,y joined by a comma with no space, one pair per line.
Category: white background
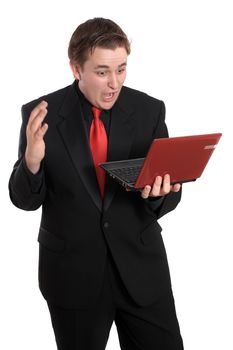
181,53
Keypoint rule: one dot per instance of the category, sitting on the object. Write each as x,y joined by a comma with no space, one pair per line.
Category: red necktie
99,146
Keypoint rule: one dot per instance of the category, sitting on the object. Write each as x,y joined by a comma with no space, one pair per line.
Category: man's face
102,76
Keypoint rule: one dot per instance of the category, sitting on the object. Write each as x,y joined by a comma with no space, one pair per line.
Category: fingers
161,187
41,131
37,116
41,106
156,188
166,188
176,187
146,191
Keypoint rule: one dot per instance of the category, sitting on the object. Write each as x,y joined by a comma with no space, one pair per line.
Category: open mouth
110,96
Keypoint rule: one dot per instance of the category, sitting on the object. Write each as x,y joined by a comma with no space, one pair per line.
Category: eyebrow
106,67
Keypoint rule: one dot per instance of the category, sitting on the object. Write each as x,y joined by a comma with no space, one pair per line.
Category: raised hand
35,131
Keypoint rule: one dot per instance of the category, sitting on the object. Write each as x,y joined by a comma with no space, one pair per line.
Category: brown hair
96,32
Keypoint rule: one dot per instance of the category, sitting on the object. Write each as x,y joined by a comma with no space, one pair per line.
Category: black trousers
154,327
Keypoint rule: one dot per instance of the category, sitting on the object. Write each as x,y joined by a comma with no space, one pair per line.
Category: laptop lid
184,158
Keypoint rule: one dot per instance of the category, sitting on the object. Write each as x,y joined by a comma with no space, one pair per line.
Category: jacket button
106,224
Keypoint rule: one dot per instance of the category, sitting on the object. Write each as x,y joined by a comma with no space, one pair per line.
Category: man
102,257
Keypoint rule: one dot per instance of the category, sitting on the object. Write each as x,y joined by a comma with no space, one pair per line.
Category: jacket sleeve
163,205
27,191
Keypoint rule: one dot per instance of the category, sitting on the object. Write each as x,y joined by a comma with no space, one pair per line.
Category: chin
108,105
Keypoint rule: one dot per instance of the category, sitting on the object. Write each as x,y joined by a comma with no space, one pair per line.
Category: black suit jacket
77,227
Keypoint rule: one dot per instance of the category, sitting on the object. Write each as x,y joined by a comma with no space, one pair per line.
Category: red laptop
184,158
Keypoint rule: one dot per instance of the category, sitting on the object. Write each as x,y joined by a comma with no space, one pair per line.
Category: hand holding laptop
161,187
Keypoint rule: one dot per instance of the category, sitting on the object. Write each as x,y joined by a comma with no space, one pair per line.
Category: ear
75,69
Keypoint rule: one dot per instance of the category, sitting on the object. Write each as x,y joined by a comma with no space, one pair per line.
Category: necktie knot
96,112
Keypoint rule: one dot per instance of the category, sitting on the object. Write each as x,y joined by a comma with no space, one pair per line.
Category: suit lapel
73,132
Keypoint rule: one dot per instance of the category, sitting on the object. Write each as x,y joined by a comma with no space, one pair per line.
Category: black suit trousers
139,328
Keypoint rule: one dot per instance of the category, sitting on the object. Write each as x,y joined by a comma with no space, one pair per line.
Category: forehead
107,57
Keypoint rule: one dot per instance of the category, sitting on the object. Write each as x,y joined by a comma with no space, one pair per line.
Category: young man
102,257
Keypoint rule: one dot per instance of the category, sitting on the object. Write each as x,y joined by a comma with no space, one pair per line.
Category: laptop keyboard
128,174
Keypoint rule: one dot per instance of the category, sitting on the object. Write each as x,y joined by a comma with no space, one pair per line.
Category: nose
113,81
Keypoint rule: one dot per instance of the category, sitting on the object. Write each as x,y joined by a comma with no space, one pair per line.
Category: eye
101,73
121,70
